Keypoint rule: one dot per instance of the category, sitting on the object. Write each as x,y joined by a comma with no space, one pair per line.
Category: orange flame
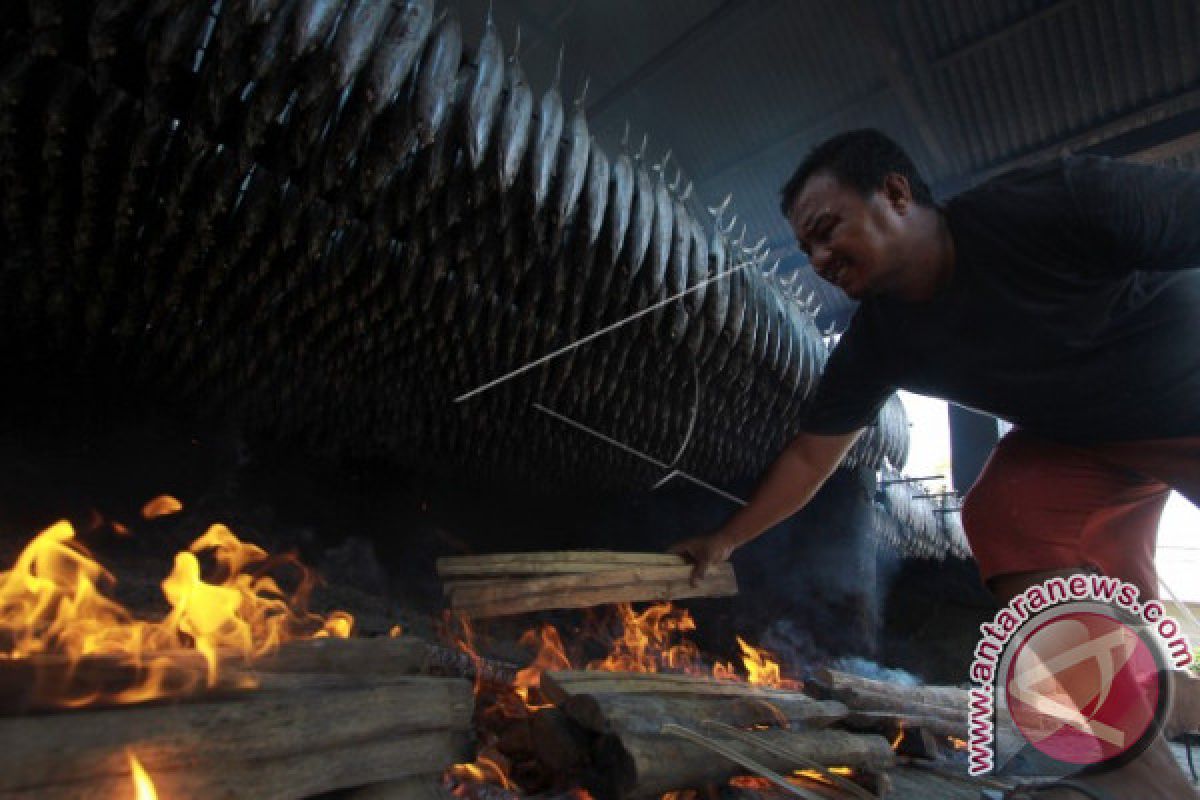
141,781
814,775
899,737
762,669
485,769
458,630
51,604
550,656
645,642
161,506
957,743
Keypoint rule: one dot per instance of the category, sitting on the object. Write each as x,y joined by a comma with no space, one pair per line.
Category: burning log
948,697
941,710
647,765
265,744
937,722
424,787
557,742
558,686
515,583
645,713
641,703
38,683
629,711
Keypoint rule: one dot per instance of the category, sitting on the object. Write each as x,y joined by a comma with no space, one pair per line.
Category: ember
161,506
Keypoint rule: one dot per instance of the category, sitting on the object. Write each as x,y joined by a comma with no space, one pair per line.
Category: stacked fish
333,220
884,444
918,524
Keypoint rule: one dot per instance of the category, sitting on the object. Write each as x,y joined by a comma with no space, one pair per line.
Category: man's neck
931,266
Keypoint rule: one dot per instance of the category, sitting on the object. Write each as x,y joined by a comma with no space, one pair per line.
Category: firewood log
262,744
488,590
558,743
42,682
718,583
937,722
549,563
843,683
558,686
646,713
421,787
515,583
647,765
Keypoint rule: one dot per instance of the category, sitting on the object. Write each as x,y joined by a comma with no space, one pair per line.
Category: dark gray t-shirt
1073,312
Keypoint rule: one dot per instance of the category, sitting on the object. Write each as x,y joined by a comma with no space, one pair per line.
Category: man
1063,298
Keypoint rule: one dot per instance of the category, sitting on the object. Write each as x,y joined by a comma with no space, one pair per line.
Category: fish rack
331,219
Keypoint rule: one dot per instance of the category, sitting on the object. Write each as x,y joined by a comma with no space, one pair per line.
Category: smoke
869,669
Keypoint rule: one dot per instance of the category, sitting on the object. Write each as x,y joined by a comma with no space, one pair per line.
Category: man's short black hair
860,159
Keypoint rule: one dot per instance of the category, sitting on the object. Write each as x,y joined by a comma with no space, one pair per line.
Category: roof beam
896,68
952,58
1155,142
1103,139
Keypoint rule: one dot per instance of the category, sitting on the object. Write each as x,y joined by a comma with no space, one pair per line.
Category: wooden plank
388,760
646,766
549,562
421,787
645,712
837,682
42,682
261,744
717,584
561,685
467,593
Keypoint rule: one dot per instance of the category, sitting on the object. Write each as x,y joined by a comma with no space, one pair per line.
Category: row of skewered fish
336,220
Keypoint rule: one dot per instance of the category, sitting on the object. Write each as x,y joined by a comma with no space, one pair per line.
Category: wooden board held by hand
516,583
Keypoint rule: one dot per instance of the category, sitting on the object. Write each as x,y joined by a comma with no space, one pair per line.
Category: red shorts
1039,505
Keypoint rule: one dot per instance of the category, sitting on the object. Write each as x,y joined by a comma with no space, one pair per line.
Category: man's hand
703,552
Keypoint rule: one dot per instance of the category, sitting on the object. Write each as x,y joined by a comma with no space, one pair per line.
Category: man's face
854,242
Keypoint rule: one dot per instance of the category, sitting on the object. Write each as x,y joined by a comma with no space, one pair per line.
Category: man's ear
898,192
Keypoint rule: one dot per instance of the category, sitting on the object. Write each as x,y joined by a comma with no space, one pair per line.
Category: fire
550,656
338,625
761,784
645,641
483,770
460,633
161,506
814,775
761,668
957,743
141,781
52,604
750,782
899,737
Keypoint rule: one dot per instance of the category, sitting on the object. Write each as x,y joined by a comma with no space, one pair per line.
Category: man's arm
799,471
